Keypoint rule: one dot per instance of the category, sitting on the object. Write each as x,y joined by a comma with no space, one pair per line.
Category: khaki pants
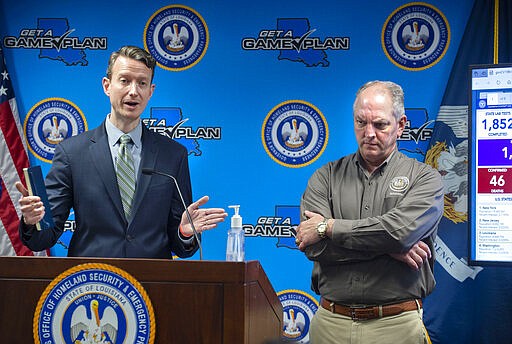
405,328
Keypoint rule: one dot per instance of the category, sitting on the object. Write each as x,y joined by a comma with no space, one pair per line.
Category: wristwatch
321,229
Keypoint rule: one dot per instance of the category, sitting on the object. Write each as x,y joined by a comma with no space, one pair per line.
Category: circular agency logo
399,184
294,133
94,303
177,37
415,36
49,122
298,310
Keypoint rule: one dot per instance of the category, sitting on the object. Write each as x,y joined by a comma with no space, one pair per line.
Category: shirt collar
381,167
114,133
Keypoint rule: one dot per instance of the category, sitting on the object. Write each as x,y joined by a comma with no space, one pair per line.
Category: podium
194,301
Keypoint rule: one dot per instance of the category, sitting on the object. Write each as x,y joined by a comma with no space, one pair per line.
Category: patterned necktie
125,174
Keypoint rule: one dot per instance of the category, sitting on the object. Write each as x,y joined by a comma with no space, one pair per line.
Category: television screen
490,165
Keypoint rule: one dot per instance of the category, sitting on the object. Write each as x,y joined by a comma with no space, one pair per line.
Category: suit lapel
102,160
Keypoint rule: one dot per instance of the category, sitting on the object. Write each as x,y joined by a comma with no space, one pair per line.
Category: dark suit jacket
82,177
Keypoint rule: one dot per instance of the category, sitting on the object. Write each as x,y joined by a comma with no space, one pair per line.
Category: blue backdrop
230,92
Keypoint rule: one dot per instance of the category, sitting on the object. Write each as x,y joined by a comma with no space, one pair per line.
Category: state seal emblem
94,303
415,36
294,133
177,37
399,184
298,310
49,122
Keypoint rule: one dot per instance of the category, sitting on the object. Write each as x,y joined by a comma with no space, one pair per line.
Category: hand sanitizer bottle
235,250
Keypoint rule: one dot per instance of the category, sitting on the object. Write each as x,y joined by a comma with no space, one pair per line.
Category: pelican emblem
416,37
93,330
293,325
175,39
54,130
294,135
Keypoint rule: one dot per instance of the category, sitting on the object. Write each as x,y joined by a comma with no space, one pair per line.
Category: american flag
13,158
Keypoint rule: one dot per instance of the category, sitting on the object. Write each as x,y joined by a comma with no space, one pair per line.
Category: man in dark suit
150,223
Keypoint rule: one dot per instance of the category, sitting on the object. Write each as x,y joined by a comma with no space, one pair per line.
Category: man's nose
133,88
369,130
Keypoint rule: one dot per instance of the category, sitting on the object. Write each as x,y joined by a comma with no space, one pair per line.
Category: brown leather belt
372,312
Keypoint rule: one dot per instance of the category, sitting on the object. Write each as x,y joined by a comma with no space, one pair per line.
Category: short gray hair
396,92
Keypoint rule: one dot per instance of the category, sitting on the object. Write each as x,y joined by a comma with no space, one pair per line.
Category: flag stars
5,75
3,91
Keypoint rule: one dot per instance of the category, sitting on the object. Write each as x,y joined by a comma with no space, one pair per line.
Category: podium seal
94,303
298,310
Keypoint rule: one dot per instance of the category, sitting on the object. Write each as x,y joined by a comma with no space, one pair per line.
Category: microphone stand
196,235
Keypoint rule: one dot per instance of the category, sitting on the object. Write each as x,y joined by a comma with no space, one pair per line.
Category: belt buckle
332,307
361,313
353,314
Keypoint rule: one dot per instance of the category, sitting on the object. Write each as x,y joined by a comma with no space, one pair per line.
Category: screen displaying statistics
490,159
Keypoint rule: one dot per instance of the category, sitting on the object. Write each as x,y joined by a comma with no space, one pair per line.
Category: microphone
151,171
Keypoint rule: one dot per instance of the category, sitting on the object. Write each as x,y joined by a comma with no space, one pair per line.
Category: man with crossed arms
369,224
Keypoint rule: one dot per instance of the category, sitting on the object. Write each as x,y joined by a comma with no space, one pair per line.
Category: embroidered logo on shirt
399,184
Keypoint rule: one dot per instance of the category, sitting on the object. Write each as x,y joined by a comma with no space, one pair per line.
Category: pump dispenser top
236,220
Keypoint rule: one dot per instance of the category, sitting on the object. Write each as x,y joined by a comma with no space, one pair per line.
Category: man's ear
401,125
106,85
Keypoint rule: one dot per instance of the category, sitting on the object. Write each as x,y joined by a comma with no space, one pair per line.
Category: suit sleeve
58,187
182,248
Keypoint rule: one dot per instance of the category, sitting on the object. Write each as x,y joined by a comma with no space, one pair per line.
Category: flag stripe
11,134
6,248
10,220
13,158
9,211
